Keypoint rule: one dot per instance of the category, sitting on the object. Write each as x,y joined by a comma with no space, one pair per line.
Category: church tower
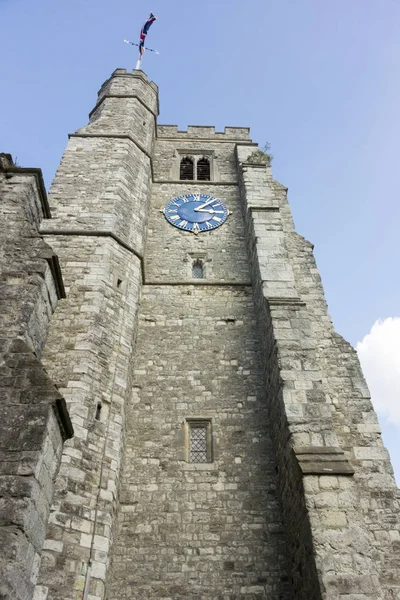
225,445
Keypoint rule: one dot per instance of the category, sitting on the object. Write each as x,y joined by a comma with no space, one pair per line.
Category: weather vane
143,33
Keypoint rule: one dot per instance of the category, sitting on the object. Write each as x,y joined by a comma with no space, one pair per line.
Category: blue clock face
196,212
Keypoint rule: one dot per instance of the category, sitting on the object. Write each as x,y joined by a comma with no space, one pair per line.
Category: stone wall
34,421
335,479
297,498
100,197
189,530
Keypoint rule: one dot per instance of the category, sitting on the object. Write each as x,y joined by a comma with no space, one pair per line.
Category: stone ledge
322,460
254,165
194,182
264,208
186,466
198,282
205,140
281,301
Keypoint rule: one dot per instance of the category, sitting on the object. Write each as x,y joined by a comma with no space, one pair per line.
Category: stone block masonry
100,198
34,421
336,483
188,530
294,498
198,530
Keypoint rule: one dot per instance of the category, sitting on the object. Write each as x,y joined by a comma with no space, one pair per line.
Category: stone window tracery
195,167
203,169
186,169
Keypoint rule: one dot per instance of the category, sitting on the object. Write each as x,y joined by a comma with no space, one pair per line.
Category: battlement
203,132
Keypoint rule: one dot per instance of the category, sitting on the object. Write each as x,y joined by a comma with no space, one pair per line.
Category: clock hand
210,210
205,204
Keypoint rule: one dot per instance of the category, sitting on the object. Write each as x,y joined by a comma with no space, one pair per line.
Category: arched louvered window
203,169
197,270
186,169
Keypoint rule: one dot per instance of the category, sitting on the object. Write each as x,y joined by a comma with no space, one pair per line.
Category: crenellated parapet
204,132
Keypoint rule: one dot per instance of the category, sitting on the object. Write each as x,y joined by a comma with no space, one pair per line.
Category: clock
196,212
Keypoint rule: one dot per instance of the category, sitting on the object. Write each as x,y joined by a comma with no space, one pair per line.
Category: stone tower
225,444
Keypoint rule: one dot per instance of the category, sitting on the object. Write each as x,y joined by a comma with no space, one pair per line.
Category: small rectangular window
197,270
200,447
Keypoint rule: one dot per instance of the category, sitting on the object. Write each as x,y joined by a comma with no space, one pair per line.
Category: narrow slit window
203,169
197,270
98,411
186,169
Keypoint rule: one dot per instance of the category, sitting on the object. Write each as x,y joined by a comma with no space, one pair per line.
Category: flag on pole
142,39
143,33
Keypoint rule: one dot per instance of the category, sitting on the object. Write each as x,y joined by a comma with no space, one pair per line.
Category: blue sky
319,80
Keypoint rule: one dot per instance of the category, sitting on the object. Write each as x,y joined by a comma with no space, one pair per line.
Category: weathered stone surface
318,402
297,500
33,419
100,198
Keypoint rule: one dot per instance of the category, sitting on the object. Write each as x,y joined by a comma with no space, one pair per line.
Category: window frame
188,159
204,159
197,262
195,155
199,423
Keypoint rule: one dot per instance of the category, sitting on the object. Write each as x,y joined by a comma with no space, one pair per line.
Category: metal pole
87,583
138,63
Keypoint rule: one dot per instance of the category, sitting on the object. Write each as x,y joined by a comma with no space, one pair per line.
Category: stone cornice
194,182
205,140
37,173
322,460
215,283
97,233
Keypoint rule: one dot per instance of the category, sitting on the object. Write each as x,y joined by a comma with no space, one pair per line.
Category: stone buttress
100,198
34,421
339,499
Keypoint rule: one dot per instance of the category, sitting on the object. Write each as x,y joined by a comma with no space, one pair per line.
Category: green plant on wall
261,157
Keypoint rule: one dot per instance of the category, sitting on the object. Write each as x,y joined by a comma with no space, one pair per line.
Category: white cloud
379,354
